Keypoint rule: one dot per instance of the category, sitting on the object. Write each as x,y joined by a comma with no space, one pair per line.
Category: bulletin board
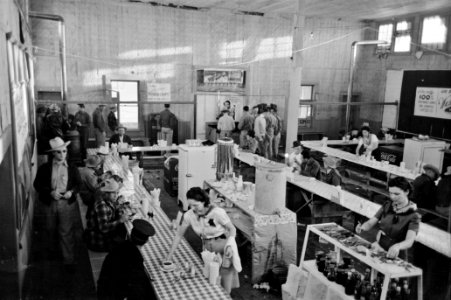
22,117
425,104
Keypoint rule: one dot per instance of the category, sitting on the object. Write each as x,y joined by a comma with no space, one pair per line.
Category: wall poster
159,92
433,102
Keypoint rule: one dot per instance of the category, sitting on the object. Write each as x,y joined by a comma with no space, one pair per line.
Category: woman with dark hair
369,141
216,230
398,219
309,166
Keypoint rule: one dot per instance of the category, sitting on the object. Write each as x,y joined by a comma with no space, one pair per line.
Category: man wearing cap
120,137
123,275
295,158
89,179
105,222
83,122
99,123
57,184
424,189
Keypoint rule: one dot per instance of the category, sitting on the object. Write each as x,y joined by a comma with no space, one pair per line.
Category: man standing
57,184
245,125
225,124
83,122
112,120
166,124
271,124
260,130
123,275
277,130
99,125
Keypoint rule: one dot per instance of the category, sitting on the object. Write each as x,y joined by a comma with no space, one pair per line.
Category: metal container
270,187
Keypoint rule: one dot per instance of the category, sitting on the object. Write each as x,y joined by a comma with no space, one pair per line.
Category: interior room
301,125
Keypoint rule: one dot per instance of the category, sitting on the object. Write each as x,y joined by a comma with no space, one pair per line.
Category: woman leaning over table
369,142
398,220
216,230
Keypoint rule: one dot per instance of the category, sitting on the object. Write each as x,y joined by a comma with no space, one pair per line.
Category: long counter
432,237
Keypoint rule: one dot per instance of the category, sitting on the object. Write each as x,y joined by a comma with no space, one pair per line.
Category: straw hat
110,185
331,162
92,161
103,150
57,143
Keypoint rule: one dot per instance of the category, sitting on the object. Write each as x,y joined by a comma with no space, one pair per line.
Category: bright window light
385,34
305,111
128,92
402,36
434,32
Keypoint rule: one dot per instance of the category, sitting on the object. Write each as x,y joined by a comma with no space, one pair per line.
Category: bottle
358,288
349,287
239,184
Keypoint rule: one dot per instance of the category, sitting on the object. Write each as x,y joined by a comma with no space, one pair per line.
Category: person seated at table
216,230
250,143
398,220
89,179
105,222
369,142
120,138
443,202
102,153
123,274
309,166
424,189
295,157
332,175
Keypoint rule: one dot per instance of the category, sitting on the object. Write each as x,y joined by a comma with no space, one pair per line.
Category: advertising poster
159,92
433,102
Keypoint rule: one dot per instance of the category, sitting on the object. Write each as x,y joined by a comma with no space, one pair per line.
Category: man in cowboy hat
89,179
424,189
123,274
120,137
57,184
105,221
332,175
83,122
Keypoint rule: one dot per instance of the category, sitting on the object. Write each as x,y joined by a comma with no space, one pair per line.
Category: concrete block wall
159,44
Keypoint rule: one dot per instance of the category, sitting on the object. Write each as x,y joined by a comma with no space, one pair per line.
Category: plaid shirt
102,222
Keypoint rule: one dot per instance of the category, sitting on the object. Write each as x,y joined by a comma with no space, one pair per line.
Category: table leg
420,287
385,287
304,245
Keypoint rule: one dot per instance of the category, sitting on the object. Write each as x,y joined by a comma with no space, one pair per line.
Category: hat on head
142,230
296,144
92,161
57,143
433,169
54,107
103,150
81,105
113,106
331,162
110,185
121,126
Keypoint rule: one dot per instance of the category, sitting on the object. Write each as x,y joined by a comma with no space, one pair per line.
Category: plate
168,270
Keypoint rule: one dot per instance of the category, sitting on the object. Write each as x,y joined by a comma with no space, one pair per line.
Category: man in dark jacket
83,122
120,136
424,189
98,120
123,274
57,184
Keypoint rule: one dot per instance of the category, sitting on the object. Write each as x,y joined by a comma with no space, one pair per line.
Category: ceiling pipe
62,46
351,73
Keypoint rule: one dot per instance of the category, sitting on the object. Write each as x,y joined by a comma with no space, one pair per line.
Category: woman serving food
398,220
216,230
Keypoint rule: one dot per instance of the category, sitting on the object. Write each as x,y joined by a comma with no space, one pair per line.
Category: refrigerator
196,164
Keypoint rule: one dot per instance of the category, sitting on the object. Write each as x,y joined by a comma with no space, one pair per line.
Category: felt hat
142,230
296,144
57,143
433,169
92,161
103,150
331,162
121,126
113,106
81,105
110,185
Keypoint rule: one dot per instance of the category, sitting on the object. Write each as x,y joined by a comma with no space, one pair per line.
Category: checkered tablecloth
155,251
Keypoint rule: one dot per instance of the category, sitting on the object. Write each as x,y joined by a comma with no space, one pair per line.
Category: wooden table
355,142
156,249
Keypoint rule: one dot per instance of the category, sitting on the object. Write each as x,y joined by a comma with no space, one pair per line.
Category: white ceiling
346,9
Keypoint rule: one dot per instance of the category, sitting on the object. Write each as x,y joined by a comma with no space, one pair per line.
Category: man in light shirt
260,130
245,125
225,124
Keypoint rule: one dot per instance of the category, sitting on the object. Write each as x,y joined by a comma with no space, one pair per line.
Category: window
434,31
305,110
126,93
385,34
403,36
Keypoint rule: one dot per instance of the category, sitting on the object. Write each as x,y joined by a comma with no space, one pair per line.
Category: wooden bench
95,258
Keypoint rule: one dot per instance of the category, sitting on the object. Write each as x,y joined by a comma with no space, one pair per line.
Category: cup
167,265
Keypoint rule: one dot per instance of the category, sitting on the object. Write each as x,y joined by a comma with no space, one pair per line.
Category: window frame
412,36
424,47
118,103
308,121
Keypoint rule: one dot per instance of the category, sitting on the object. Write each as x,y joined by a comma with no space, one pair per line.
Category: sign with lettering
160,92
433,102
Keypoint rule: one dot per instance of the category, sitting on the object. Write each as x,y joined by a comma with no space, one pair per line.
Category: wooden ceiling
346,9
